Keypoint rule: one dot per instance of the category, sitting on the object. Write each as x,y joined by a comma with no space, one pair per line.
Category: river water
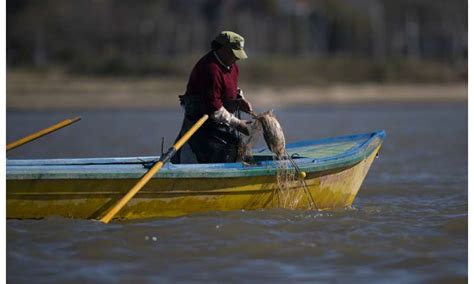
407,225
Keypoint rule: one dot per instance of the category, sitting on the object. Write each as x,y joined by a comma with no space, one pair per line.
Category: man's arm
222,115
216,108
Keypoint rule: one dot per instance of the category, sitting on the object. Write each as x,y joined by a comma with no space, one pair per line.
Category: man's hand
242,127
245,106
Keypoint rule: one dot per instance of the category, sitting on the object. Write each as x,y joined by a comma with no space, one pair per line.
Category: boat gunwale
350,157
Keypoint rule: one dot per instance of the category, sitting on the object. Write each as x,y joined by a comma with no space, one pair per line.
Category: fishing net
244,153
291,186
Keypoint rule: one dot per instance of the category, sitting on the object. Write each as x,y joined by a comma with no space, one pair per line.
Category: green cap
233,41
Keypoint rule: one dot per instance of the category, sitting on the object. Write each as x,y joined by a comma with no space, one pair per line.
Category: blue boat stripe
132,167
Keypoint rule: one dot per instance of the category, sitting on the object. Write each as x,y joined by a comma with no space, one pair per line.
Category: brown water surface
408,223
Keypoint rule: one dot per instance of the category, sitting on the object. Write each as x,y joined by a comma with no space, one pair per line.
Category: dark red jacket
212,82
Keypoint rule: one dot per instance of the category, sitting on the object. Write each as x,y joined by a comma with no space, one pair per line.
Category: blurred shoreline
49,90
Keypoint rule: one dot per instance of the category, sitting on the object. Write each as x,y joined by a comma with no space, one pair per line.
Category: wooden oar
41,133
145,178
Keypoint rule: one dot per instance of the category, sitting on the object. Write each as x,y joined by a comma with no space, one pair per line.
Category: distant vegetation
289,42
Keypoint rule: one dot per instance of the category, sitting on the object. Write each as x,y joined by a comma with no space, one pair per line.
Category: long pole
145,178
41,133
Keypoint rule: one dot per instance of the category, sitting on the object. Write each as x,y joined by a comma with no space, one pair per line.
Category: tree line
144,36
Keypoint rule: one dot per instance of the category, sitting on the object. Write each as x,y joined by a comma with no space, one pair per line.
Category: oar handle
151,172
41,133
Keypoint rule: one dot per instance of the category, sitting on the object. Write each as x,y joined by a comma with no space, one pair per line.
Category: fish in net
291,185
273,134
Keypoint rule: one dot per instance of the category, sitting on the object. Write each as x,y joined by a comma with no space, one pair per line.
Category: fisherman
212,89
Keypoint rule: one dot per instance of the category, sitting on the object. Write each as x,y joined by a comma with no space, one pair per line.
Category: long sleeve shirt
213,82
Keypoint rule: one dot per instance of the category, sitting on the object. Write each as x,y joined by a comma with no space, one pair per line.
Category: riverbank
60,91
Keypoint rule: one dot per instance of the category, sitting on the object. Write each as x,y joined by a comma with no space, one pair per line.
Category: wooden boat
86,188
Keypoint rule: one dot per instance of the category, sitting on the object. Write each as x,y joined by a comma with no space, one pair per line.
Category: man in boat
212,89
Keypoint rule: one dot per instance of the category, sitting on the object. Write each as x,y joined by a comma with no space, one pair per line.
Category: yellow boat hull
168,197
